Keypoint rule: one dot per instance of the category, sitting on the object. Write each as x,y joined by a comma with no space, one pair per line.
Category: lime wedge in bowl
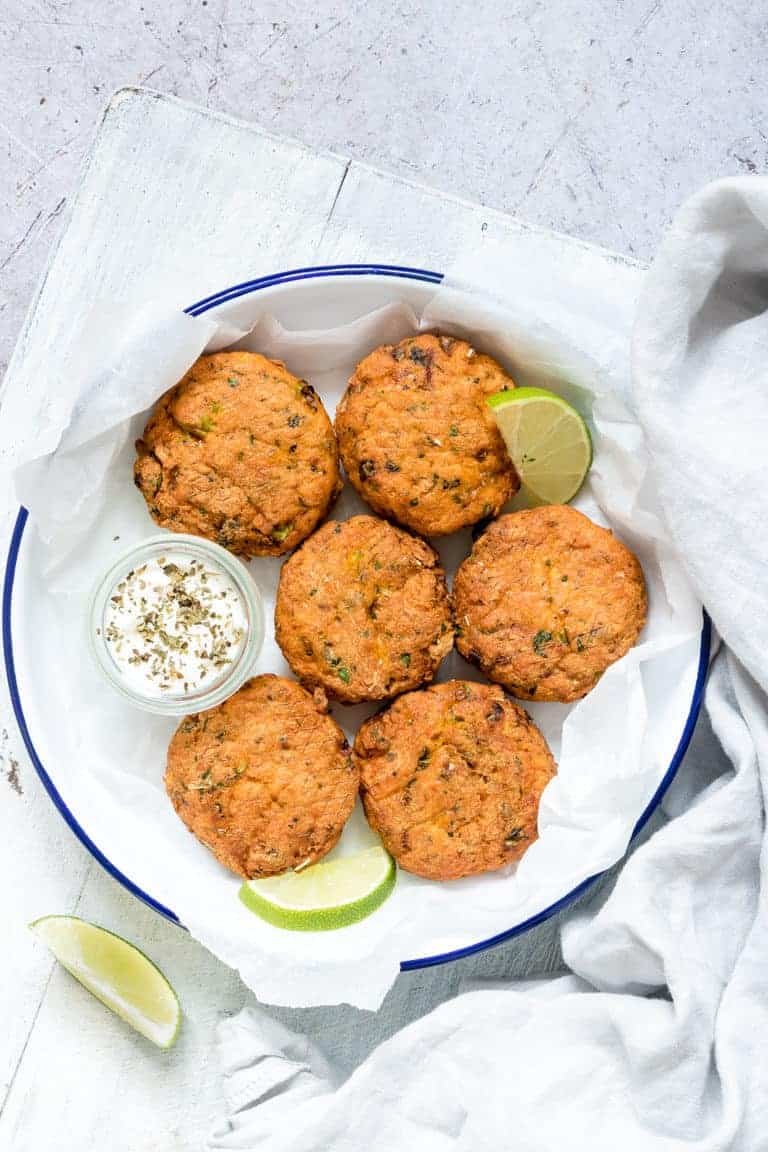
331,894
548,441
116,973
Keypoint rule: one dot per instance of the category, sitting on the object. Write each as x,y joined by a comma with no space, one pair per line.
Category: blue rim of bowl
320,272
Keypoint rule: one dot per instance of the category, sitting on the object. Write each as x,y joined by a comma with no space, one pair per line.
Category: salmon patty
241,452
451,778
266,780
417,439
547,601
363,611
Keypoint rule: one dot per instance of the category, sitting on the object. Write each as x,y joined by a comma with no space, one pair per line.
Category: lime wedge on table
327,895
116,973
548,441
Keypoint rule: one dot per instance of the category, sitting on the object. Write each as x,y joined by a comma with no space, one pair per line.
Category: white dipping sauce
174,625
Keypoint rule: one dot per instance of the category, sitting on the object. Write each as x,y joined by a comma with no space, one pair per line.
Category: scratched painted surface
594,120
595,117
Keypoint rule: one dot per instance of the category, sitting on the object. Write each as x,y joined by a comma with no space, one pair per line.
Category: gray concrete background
595,117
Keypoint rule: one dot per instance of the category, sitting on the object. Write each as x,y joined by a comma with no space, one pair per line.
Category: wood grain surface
177,202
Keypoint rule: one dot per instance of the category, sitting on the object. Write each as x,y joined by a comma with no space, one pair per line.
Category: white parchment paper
107,760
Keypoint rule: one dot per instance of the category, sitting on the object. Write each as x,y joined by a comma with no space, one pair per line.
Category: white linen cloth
655,1042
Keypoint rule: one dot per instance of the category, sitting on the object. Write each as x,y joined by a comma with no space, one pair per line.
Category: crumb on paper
9,765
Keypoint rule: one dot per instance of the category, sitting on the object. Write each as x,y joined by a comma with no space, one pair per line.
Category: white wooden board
178,202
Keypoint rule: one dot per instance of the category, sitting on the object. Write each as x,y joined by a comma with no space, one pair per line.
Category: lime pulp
324,896
117,973
548,441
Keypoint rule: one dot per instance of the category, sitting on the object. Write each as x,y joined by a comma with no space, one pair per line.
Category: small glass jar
229,573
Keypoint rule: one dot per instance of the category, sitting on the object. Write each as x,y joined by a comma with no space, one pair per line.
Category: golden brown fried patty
242,452
546,601
417,439
265,780
451,778
363,610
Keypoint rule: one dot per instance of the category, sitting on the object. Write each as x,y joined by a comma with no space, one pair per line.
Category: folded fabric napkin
655,1041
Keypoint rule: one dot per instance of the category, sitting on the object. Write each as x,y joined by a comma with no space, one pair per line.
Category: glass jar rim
241,668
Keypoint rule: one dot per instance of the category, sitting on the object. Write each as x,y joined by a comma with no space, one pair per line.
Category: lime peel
116,973
324,896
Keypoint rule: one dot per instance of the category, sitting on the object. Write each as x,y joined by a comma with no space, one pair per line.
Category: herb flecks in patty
540,641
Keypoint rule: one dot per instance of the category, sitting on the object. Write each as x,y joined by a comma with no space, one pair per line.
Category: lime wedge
548,441
116,973
328,895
